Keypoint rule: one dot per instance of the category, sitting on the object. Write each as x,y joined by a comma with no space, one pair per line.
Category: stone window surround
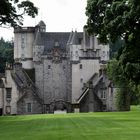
8,93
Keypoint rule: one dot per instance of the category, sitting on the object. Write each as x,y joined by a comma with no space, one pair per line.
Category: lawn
84,126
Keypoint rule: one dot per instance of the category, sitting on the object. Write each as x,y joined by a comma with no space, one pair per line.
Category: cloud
59,15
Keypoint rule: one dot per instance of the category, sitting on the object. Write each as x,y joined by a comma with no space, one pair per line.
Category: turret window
79,41
22,40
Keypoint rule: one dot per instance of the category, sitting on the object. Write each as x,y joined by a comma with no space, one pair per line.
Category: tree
127,91
12,11
114,47
6,54
113,19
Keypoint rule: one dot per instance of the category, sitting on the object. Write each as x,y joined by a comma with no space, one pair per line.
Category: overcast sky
59,16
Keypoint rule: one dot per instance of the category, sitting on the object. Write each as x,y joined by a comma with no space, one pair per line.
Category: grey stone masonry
53,81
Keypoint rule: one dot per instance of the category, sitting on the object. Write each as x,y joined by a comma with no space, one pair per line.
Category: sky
58,15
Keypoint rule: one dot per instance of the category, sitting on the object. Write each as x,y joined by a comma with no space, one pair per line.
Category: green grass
84,126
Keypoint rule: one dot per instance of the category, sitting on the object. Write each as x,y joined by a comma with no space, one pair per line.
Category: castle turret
75,46
41,26
24,38
86,43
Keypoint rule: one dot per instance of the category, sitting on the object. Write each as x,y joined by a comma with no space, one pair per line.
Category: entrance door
0,111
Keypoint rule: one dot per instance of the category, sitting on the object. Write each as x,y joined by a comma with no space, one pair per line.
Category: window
103,53
79,40
22,45
71,55
111,89
104,107
103,95
76,53
8,93
56,44
99,42
81,80
64,67
29,107
8,109
22,56
81,66
22,38
49,66
107,53
22,41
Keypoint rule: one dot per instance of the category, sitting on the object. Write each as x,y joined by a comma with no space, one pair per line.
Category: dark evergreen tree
6,54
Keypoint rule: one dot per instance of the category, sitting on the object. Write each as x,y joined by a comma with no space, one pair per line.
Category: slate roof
41,23
48,39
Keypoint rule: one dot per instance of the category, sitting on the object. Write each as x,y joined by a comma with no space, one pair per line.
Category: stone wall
54,80
11,103
111,99
23,47
1,99
22,104
81,73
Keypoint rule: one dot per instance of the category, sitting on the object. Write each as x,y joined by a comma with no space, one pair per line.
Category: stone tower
23,46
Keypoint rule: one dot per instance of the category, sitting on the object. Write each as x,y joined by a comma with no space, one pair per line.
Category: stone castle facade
68,68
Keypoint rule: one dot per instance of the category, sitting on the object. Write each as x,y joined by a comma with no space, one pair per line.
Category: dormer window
79,41
42,26
43,29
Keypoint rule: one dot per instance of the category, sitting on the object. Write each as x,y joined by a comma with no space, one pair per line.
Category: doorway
1,111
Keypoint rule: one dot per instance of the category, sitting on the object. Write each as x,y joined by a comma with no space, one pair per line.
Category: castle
56,71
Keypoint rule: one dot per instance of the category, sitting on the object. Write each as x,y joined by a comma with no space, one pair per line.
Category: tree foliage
113,18
128,92
110,19
12,11
114,47
6,54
